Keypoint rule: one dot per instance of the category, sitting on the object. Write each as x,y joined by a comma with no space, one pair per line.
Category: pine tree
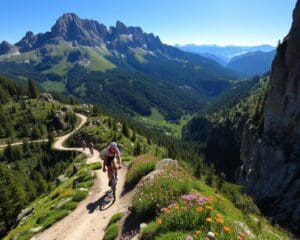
32,89
220,181
137,149
133,136
35,133
125,130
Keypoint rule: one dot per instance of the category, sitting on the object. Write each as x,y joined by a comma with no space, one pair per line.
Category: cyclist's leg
109,173
114,167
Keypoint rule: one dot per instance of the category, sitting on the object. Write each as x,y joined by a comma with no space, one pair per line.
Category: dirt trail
92,215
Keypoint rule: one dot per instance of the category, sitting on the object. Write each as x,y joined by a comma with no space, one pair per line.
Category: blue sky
223,22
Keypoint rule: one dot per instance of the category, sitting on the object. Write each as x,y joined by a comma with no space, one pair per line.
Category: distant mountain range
120,67
252,63
248,60
224,53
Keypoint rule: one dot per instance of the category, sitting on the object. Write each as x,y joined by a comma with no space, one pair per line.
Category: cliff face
271,164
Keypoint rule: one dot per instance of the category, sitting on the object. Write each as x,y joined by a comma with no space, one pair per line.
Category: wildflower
226,229
198,232
209,220
189,238
158,221
218,215
199,209
240,238
209,208
220,221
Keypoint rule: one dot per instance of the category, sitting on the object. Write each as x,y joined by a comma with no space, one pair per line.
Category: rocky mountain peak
121,28
7,48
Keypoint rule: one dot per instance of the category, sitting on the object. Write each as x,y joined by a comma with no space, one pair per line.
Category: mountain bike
113,183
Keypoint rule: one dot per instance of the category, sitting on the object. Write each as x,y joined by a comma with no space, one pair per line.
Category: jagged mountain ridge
90,61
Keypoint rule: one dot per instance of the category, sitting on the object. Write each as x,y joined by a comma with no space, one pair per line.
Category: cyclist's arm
105,162
118,157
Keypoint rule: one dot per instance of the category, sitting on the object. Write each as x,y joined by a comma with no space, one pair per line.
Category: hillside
253,63
131,71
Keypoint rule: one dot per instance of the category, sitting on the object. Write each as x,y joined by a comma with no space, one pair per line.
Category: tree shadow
103,203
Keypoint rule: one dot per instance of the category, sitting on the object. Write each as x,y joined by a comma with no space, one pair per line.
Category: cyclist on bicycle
112,152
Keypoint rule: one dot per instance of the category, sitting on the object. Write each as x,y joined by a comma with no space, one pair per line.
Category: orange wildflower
220,221
199,209
226,229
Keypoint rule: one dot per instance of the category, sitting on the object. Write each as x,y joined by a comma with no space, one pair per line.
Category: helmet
113,145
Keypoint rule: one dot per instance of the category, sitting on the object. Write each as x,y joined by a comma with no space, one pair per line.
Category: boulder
46,97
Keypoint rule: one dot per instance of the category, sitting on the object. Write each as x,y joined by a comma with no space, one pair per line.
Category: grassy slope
176,181
156,120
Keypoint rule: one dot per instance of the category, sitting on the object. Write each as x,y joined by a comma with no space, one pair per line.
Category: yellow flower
199,209
198,232
226,229
218,215
220,221
158,221
209,208
209,220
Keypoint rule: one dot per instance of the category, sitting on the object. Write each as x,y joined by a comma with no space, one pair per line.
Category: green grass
149,231
53,86
138,168
172,236
54,216
79,196
98,62
111,232
156,120
114,219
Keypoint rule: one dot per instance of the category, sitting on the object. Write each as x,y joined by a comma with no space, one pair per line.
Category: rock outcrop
271,164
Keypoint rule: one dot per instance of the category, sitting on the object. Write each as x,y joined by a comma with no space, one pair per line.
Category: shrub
126,159
150,231
112,232
79,196
70,205
96,166
65,193
243,202
54,216
115,218
138,168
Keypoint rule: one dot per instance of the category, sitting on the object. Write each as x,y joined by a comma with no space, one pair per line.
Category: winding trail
89,219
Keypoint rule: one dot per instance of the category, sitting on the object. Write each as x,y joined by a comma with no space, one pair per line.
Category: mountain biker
112,152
